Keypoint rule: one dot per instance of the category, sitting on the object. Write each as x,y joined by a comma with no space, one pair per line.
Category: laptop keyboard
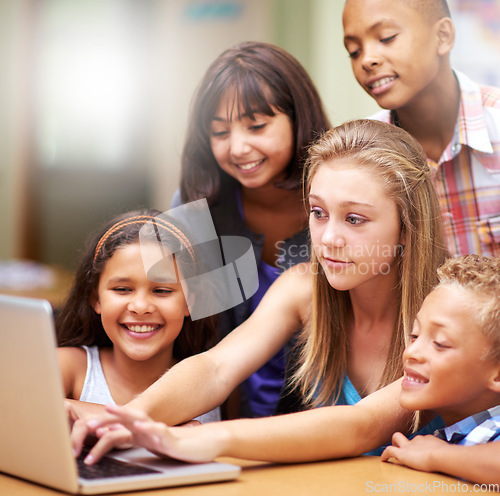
109,467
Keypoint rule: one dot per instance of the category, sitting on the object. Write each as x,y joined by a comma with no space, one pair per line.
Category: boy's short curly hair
480,275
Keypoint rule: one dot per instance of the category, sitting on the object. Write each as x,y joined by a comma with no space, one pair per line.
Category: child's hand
72,411
110,434
77,410
79,413
197,444
416,453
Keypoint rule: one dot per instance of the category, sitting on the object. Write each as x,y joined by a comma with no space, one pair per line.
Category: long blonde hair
397,158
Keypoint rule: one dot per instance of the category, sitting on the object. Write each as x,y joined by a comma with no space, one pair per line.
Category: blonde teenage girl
377,242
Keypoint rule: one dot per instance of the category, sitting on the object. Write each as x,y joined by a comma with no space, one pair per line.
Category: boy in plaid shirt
400,55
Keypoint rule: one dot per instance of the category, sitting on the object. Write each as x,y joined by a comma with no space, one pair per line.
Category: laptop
34,428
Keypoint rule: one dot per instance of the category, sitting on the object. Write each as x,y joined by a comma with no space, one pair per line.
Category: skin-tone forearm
181,385
299,437
200,383
479,463
322,433
319,434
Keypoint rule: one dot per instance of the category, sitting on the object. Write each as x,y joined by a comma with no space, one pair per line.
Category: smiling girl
119,330
255,112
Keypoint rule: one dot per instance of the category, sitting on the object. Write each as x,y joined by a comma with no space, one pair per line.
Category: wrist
224,440
435,458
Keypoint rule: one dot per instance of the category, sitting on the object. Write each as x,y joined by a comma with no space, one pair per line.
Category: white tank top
96,390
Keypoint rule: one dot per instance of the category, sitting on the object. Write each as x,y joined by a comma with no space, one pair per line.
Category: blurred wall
189,36
309,29
70,156
14,133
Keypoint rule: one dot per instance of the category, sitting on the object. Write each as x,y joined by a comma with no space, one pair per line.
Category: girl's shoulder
73,365
291,290
295,286
301,272
72,353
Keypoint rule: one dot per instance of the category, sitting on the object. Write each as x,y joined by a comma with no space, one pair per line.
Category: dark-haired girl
120,331
253,116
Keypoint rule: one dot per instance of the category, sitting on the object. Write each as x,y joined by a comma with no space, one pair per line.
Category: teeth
382,81
141,328
414,379
249,166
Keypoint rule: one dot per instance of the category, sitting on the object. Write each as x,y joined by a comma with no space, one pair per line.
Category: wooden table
356,476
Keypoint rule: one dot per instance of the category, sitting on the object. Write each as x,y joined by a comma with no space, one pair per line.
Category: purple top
264,386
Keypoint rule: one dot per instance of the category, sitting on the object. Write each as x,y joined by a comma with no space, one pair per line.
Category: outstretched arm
200,383
322,433
479,463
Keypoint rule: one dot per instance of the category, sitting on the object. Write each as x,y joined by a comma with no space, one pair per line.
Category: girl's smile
253,150
141,330
141,317
250,166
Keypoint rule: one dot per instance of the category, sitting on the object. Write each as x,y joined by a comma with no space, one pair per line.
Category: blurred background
95,95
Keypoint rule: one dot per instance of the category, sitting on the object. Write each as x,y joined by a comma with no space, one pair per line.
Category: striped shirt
467,176
480,428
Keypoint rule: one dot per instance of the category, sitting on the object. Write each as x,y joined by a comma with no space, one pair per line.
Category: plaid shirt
481,428
467,177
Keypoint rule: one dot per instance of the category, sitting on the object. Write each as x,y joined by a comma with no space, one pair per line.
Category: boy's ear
495,380
446,35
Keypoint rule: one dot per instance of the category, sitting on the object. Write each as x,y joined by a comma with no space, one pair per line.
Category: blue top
480,428
350,396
